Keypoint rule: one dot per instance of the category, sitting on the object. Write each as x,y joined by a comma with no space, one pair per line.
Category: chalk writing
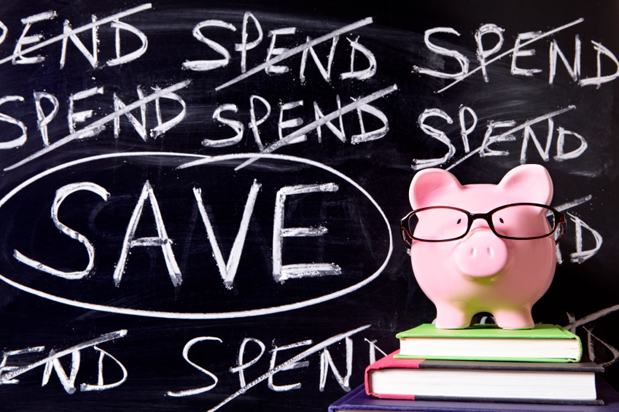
593,354
326,364
300,357
52,362
523,40
283,55
163,241
98,126
490,138
69,33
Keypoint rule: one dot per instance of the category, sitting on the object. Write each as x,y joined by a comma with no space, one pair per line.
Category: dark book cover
358,400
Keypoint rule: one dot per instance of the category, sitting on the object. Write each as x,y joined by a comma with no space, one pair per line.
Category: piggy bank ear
429,183
529,183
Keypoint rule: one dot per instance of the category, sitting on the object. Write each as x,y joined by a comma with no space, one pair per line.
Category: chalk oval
332,239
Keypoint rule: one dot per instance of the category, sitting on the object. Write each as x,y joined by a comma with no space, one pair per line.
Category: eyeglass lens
514,221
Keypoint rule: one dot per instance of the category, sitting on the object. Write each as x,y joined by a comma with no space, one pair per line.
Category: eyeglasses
520,221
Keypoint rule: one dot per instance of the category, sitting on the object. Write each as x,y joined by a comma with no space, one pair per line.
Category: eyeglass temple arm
406,236
561,227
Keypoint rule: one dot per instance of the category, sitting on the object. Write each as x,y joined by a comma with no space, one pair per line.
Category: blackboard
200,201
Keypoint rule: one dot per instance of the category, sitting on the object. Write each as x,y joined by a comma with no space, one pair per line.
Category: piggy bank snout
481,254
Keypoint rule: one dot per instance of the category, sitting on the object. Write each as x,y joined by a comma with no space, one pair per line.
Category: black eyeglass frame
408,237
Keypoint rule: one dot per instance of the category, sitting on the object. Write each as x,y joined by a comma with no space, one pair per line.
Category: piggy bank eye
523,221
438,224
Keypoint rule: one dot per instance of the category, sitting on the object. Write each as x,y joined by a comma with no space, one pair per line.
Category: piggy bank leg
514,319
451,317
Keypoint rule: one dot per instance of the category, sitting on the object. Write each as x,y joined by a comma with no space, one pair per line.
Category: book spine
579,358
389,362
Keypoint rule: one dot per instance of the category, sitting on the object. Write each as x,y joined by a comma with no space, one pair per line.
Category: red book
537,382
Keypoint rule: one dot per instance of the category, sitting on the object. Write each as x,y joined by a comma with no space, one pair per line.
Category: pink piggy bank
483,247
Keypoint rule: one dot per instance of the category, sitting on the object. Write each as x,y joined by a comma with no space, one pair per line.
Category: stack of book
481,368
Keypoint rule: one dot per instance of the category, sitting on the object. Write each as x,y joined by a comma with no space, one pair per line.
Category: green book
543,343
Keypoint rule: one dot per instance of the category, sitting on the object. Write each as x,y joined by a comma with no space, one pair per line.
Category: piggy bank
483,247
